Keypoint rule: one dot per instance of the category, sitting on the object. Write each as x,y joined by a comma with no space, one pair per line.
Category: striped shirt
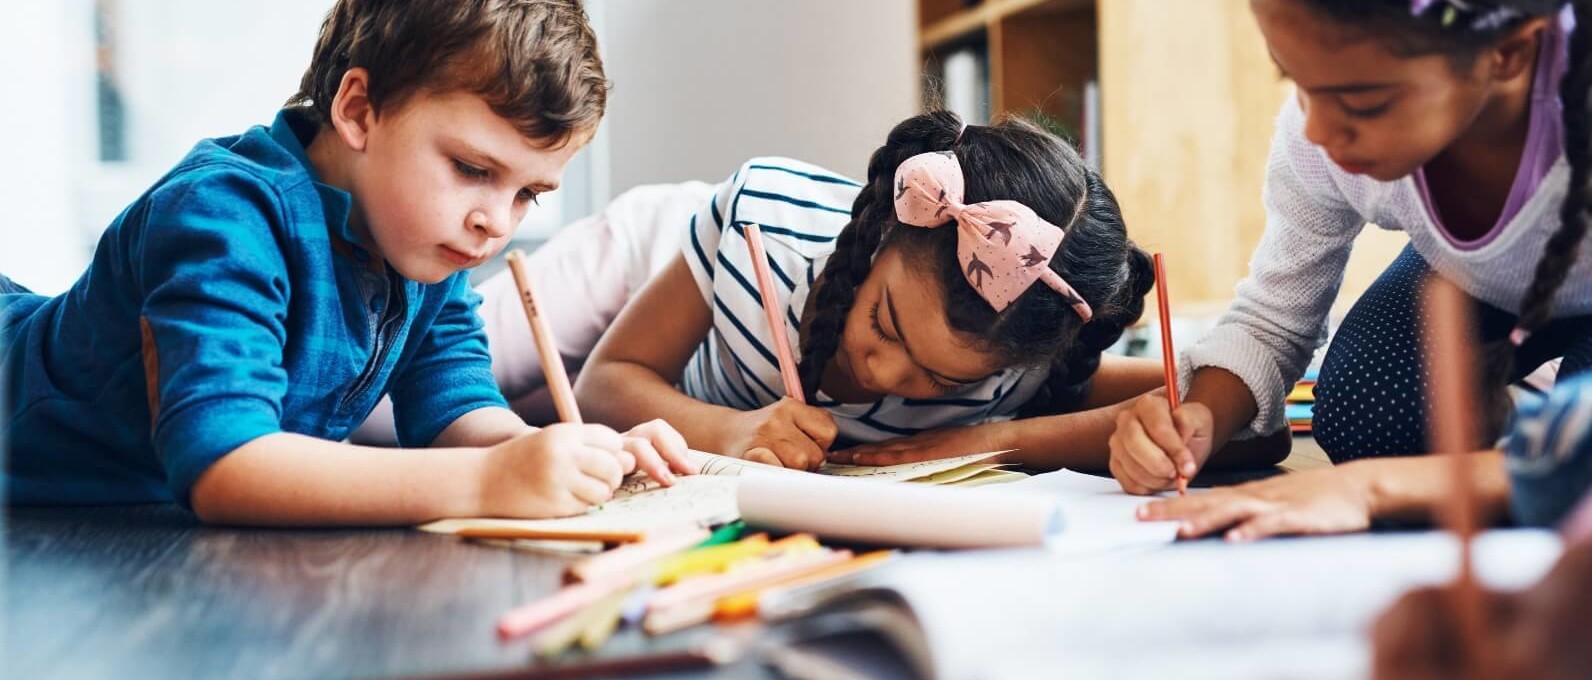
801,208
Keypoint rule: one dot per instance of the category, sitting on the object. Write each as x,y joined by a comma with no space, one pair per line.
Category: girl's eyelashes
873,318
1366,113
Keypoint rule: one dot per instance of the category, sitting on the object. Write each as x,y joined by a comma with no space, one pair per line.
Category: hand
787,433
1152,445
658,450
1326,501
1537,633
553,472
932,445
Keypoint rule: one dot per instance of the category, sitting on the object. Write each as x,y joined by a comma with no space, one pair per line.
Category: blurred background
1173,100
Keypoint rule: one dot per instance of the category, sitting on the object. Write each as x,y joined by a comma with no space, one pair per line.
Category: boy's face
442,182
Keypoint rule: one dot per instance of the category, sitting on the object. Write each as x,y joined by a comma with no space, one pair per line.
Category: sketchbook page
907,471
1097,515
871,511
640,505
1235,605
715,464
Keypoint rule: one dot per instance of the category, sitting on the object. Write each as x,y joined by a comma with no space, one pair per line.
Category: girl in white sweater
1448,120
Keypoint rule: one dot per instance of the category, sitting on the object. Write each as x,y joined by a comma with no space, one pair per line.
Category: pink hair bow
1003,245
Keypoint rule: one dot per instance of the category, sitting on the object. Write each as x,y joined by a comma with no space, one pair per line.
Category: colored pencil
552,362
1168,355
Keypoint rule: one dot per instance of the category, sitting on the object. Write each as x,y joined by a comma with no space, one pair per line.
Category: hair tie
1519,336
1003,246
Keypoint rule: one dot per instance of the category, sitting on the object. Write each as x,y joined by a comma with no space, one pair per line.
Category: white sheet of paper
1245,611
1097,516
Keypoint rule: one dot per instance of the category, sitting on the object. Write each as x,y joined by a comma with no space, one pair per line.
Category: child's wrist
467,494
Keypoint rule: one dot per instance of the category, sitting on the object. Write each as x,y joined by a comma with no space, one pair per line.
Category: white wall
702,85
189,69
47,78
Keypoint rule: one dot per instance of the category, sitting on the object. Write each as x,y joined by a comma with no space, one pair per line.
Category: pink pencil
552,361
526,619
776,323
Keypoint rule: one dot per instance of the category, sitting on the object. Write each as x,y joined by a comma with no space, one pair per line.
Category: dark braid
1562,248
871,213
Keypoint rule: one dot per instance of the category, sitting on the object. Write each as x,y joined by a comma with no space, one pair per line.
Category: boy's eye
468,170
528,195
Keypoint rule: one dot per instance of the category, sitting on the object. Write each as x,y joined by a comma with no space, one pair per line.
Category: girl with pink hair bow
962,303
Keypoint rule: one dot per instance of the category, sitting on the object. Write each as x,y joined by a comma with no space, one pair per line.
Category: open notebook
1288,608
709,498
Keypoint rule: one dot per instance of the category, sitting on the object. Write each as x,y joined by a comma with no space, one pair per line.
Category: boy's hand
787,433
931,445
1326,501
557,471
656,449
1152,445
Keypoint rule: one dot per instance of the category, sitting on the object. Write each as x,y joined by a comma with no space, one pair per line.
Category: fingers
800,453
1205,513
1265,524
600,465
648,460
589,490
818,424
669,443
762,455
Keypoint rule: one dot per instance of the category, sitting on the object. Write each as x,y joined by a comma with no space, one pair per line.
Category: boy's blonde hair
535,62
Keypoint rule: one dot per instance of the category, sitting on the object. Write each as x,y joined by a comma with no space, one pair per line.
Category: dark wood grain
146,591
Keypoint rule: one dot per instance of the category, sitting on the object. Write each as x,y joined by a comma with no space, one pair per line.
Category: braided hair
1016,160
1462,30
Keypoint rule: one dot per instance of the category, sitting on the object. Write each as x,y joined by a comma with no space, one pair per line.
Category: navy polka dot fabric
1371,395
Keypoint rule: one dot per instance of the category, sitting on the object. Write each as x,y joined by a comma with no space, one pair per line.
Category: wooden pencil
1168,355
1453,423
552,362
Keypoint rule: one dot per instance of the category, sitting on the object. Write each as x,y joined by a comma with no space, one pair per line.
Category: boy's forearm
623,395
1416,487
294,480
488,426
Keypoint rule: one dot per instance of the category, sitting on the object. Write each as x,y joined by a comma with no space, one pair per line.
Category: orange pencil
552,362
776,323
1451,384
1168,356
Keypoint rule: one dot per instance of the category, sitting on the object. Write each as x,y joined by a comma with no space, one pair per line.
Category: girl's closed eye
1366,112
878,329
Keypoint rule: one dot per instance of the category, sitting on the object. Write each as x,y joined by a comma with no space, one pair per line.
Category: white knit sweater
1314,210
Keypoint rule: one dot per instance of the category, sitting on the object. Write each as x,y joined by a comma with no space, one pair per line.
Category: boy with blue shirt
248,311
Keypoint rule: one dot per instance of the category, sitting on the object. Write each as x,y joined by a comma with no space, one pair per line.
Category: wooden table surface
148,592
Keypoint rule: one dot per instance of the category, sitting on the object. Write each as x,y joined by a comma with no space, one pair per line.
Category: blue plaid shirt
228,302
1550,453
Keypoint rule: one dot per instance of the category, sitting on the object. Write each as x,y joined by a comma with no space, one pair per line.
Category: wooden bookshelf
1039,53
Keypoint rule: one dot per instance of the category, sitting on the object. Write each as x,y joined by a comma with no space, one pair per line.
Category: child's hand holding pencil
787,433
